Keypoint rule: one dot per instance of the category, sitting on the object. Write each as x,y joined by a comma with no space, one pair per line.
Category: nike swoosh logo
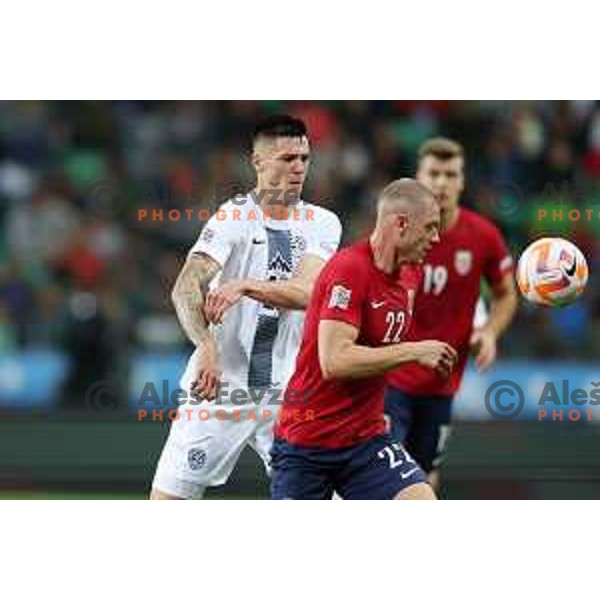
255,241
377,304
571,271
409,473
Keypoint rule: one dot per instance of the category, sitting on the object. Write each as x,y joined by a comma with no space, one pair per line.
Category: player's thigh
418,491
378,470
201,452
427,441
262,440
398,412
158,495
298,474
433,478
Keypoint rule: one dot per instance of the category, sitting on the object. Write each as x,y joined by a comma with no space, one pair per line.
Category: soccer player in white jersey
240,298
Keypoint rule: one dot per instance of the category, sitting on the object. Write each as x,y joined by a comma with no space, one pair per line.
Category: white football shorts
206,441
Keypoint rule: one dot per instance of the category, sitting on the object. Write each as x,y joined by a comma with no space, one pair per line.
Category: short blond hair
441,148
405,194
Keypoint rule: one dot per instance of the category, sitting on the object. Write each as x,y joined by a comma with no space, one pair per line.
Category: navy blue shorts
421,423
375,470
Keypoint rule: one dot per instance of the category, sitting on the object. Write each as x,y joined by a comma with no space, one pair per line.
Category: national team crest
196,458
463,261
207,235
340,297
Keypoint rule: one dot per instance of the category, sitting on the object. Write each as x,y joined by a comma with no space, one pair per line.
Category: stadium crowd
81,269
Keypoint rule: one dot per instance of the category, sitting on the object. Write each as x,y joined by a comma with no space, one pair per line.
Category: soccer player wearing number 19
335,439
418,401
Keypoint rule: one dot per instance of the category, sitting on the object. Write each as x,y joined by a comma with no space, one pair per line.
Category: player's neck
384,253
451,220
272,203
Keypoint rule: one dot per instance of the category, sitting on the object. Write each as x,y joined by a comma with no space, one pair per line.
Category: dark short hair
441,148
277,126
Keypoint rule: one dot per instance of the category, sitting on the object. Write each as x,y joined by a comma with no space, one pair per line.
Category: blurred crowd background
83,274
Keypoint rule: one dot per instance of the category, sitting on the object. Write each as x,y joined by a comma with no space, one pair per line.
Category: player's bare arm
502,310
341,357
188,297
293,293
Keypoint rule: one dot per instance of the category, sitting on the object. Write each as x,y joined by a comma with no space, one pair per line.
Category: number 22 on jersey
395,321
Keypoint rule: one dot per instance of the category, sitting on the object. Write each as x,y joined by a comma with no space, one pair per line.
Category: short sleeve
324,234
218,237
344,293
498,260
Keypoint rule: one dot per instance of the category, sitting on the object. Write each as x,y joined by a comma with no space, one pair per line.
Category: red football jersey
473,248
343,412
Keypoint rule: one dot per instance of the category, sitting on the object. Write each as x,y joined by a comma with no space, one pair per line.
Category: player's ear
257,162
401,221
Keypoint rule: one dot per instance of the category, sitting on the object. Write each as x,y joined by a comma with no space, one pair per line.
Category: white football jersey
258,343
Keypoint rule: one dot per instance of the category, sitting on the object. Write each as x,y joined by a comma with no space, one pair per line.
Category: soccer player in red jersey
419,400
331,435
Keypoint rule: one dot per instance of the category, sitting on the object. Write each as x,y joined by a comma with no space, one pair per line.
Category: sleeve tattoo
188,296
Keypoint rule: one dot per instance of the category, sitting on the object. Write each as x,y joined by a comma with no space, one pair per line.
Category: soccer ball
552,271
